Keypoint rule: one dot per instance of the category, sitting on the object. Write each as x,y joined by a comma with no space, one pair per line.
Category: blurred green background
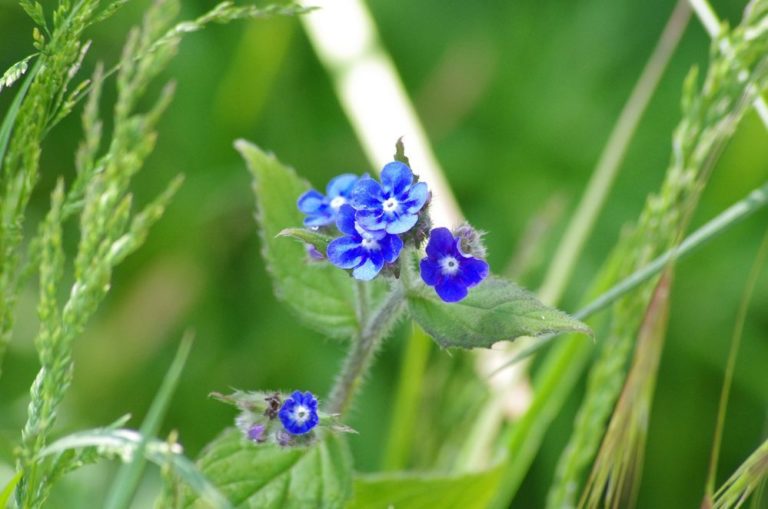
518,98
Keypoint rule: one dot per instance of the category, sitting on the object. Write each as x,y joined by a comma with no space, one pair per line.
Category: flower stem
365,345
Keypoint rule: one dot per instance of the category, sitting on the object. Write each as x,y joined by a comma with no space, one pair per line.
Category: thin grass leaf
617,469
5,495
123,444
748,477
128,477
730,369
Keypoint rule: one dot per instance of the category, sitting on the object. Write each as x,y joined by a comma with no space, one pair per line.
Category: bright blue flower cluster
299,413
371,215
448,269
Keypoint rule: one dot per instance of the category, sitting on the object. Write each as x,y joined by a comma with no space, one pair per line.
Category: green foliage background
518,98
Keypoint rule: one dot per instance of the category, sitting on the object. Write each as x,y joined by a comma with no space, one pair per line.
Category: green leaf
495,310
313,238
322,295
269,476
408,491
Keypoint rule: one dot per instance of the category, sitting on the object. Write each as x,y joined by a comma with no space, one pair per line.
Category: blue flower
299,413
448,269
394,204
363,251
321,210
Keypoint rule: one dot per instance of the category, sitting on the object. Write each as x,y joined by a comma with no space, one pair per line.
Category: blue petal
311,201
371,219
441,243
345,220
390,247
473,270
345,252
370,268
402,224
417,197
319,219
366,195
451,289
396,177
430,272
341,185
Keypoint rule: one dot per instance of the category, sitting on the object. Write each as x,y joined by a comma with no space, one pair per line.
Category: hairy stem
359,358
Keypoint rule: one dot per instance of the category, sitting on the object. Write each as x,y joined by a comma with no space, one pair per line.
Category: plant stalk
359,358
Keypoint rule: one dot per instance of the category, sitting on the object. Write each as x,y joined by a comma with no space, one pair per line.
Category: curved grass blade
127,479
124,443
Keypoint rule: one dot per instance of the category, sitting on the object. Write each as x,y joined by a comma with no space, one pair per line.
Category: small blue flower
299,413
363,251
394,204
321,210
447,269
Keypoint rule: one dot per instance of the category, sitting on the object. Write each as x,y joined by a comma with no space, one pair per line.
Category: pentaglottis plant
353,258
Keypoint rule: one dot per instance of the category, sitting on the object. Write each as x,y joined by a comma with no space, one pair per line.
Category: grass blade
127,479
738,330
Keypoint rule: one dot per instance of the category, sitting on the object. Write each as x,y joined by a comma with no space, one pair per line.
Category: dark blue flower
447,269
299,413
363,251
321,210
394,204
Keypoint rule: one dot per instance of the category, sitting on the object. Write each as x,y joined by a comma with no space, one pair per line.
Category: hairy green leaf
408,491
313,238
269,476
495,310
321,295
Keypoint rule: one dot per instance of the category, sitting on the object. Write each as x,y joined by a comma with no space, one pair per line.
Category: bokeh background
518,98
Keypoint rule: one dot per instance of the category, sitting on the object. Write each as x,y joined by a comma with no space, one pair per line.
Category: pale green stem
738,330
604,174
406,401
733,215
361,353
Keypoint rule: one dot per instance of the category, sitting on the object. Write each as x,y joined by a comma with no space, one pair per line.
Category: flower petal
345,220
430,272
341,185
395,178
370,267
451,289
390,247
473,270
319,219
345,252
441,243
310,202
416,198
366,195
371,219
402,224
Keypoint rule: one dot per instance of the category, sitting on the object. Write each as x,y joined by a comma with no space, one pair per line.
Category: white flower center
301,414
369,243
337,202
390,205
449,265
